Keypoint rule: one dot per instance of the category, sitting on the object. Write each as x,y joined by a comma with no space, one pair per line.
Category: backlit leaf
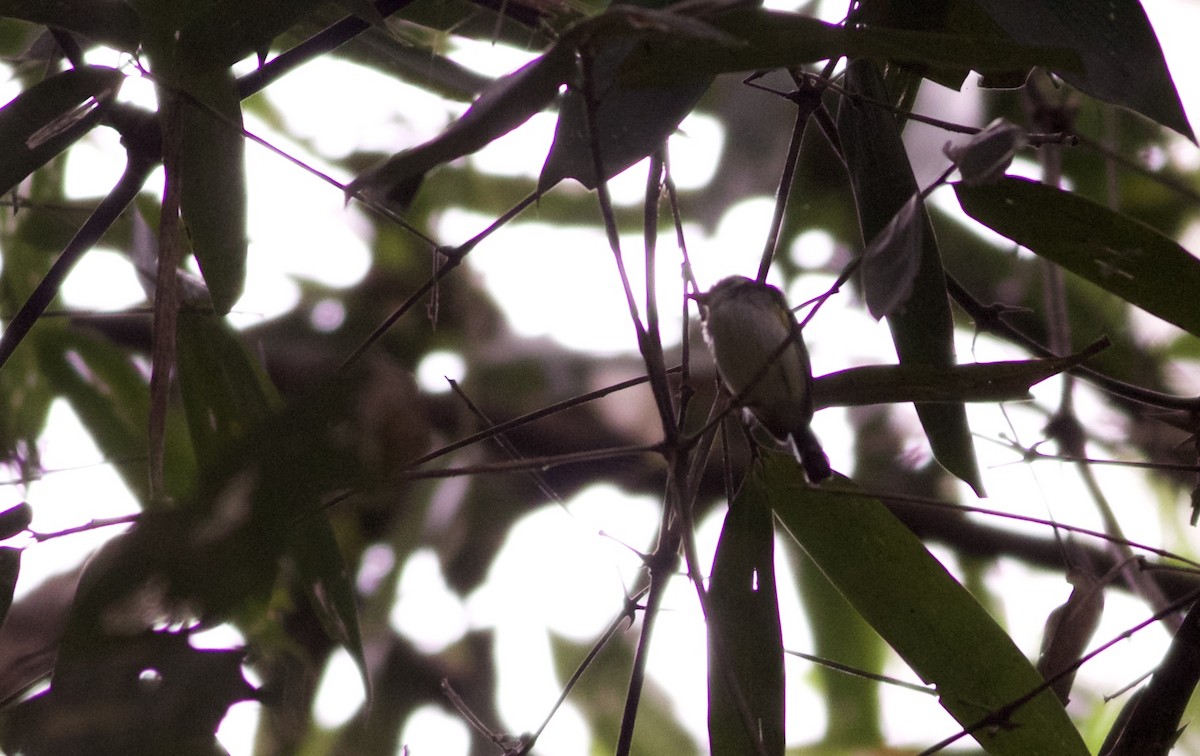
745,645
1122,61
48,118
923,330
978,382
930,620
213,191
1112,250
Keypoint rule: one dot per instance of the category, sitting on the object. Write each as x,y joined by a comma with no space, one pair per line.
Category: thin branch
138,168
1001,716
530,463
597,647
95,524
807,99
990,319
502,441
864,674
325,41
166,290
530,417
454,257
939,504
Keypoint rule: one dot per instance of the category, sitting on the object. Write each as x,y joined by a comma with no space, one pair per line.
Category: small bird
746,325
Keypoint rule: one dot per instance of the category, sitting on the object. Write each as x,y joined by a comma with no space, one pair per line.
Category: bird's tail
810,455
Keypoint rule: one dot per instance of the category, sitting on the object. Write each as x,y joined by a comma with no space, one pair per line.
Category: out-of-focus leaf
505,105
979,382
985,158
46,119
891,261
15,520
658,731
1112,250
29,634
218,555
145,694
1122,61
10,569
1069,629
110,22
226,392
923,331
329,586
931,621
841,635
111,397
28,398
213,190
1153,722
745,642
777,39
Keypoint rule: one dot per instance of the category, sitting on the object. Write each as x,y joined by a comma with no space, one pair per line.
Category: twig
1001,715
454,257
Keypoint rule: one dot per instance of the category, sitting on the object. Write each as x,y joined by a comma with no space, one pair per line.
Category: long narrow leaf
213,191
330,586
46,119
745,643
979,382
225,390
922,328
1112,250
931,621
777,39
1122,61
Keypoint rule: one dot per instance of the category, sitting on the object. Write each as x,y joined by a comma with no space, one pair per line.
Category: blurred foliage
275,465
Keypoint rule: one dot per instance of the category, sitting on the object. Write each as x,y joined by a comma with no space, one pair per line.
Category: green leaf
505,105
745,643
631,122
979,382
923,330
1112,250
891,261
841,635
777,39
985,157
111,397
109,22
46,119
213,190
658,730
930,620
229,30
330,586
1122,61
226,392
1153,722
